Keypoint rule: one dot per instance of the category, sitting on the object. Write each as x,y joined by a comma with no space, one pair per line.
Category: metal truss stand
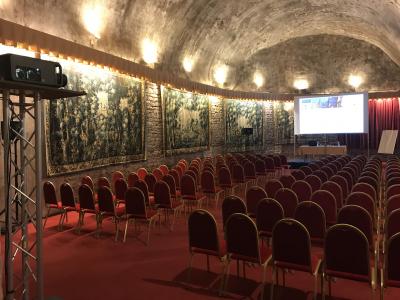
23,234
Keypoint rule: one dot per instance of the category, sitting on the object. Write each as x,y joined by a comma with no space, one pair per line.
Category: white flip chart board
388,141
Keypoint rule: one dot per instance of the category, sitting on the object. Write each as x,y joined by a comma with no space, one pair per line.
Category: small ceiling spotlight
301,84
355,80
258,79
93,19
220,74
149,51
188,64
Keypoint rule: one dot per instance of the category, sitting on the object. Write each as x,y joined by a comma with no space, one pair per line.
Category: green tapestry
104,127
244,114
283,122
186,121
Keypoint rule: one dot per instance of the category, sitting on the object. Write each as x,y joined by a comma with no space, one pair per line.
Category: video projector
31,70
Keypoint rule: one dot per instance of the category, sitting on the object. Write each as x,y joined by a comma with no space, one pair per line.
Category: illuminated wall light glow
355,80
188,64
220,74
149,51
258,79
301,84
93,19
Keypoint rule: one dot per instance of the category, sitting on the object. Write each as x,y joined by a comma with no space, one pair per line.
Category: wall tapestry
244,114
104,127
283,113
186,118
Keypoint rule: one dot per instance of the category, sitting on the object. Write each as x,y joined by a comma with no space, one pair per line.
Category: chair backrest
49,192
327,201
142,185
321,175
392,181
142,172
260,166
203,233
272,186
358,217
303,190
105,199
277,161
67,195
364,200
312,216
291,245
328,171
254,195
132,178
346,253
170,180
269,164
242,238
349,178
371,181
340,180
179,169
115,176
192,174
287,181
269,212
306,169
392,224
288,199
283,159
371,174
336,191
158,174
174,173
151,181
120,188
249,170
365,188
135,202
392,204
103,181
162,194
164,169
207,182
298,174
224,177
314,181
232,205
88,181
238,173
188,186
392,261
314,166
393,190
86,199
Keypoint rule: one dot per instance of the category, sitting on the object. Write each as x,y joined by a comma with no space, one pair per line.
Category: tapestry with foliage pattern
283,122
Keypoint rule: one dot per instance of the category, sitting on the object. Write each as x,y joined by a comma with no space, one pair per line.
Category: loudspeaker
247,131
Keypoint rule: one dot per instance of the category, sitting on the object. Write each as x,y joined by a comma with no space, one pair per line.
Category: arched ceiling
211,31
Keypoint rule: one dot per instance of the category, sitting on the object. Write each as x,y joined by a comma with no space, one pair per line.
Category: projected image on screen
331,114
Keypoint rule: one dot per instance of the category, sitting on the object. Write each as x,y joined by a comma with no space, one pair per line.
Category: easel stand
19,238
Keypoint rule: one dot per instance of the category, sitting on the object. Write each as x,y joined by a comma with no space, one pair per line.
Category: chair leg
190,267
126,228
47,215
315,286
99,221
80,221
271,296
116,228
148,231
263,281
61,221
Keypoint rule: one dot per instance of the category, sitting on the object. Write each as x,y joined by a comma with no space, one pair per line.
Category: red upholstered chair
269,212
303,190
349,178
225,181
132,178
136,210
261,171
392,225
107,208
203,238
50,199
239,177
254,195
272,186
365,201
371,181
86,204
142,172
291,250
314,182
164,169
67,202
158,174
352,170
189,194
392,204
298,174
335,190
269,166
163,201
114,177
327,202
314,166
288,199
120,187
333,168
193,174
170,180
232,205
250,173
150,180
278,164
142,185
180,171
284,162
243,245
347,256
306,169
392,190
287,181
366,188
321,175
88,181
103,181
374,175
312,216
392,181
390,274
174,173
208,187
340,180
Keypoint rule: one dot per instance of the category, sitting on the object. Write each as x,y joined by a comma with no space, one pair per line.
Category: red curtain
383,114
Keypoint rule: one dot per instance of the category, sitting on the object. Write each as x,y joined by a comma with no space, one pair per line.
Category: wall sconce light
149,51
301,84
187,64
220,74
258,79
355,80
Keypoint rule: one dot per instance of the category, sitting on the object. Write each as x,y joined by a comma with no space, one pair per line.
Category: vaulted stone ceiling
212,32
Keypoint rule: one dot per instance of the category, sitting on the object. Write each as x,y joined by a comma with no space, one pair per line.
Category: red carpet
85,267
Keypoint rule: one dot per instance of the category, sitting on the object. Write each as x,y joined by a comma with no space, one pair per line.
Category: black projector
31,70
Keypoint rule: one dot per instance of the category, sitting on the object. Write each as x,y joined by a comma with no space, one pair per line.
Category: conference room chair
313,166
164,202
353,170
390,274
175,174
303,190
88,181
349,178
365,201
150,180
261,172
50,199
132,178
392,204
142,185
103,181
269,212
314,181
182,166
250,173
209,168
319,163
321,175
327,201
193,174
114,177
328,171
179,169
204,239
291,250
288,199
164,169
239,177
142,172
391,227
87,205
335,190
347,256
284,163
278,164
374,175
68,203
392,181
254,195
333,167
340,180
287,180
225,181
189,195
312,216
158,174
242,244
170,180
208,187
372,182
368,189
120,189
136,210
306,169
298,174
272,186
231,205
107,208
